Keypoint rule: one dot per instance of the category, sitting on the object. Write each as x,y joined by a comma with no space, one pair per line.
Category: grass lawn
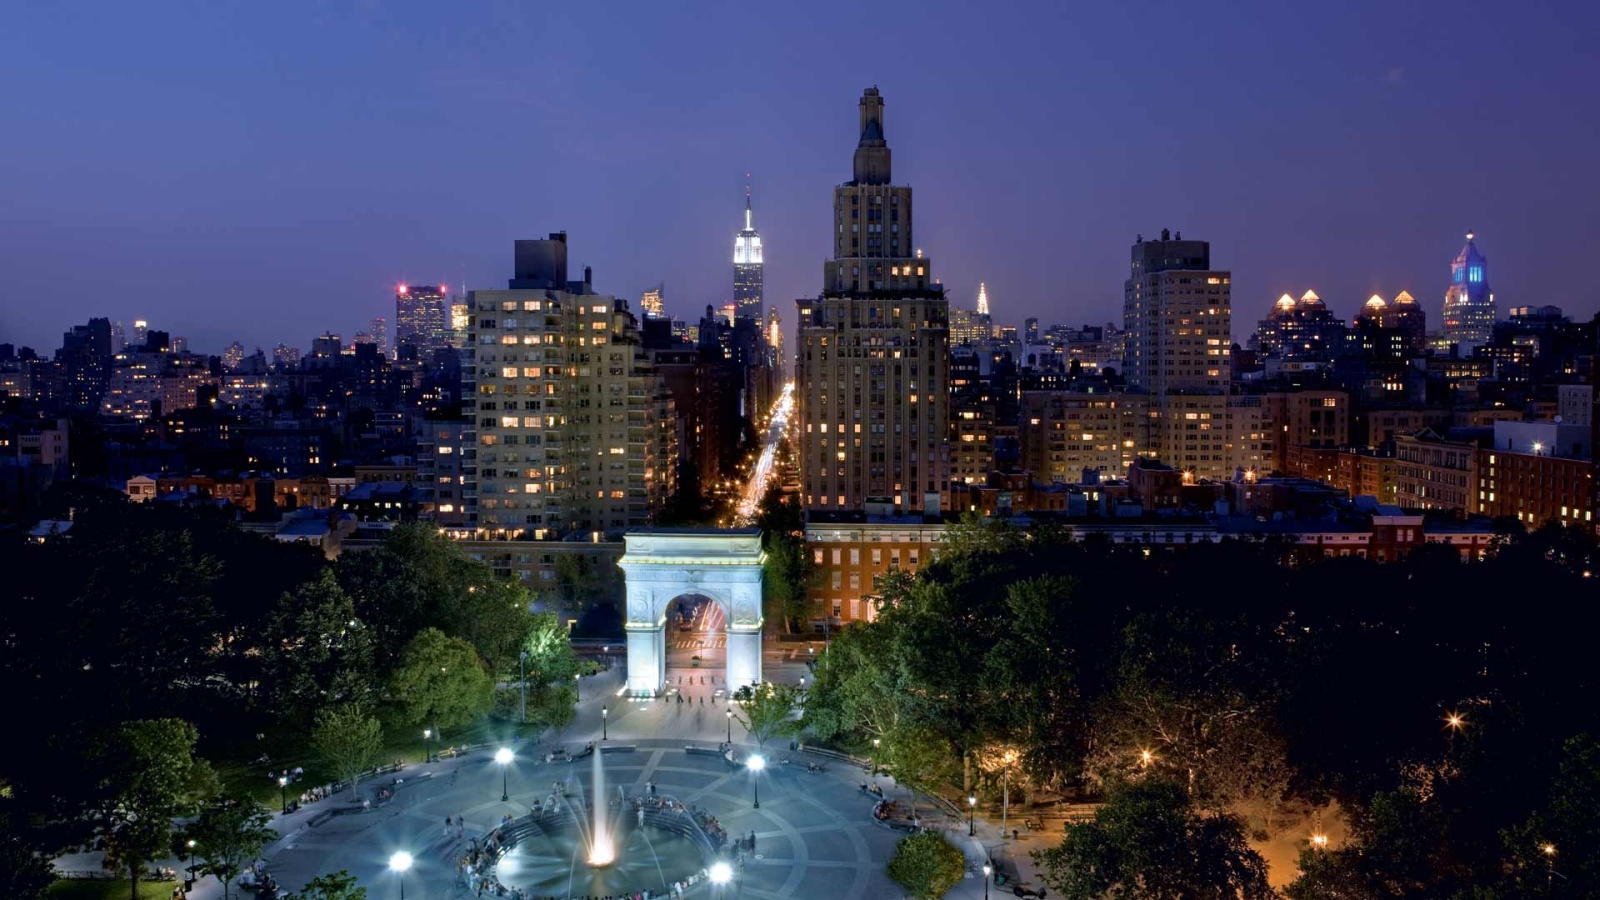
247,778
107,889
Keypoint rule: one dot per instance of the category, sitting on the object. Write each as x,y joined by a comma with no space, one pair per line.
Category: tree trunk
966,771
133,882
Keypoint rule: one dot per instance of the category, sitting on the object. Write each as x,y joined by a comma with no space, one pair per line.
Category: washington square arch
662,564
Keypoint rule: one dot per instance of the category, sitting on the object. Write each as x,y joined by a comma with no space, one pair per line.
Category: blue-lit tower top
1469,310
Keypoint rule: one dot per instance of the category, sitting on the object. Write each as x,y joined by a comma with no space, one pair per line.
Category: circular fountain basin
554,862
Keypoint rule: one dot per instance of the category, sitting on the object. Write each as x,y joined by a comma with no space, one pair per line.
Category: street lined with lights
757,486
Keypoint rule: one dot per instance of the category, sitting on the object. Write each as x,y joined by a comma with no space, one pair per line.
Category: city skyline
199,173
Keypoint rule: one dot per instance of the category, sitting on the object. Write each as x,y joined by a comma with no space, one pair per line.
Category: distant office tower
565,406
1468,303
85,361
460,319
748,277
233,356
650,301
1177,314
119,338
379,329
983,300
141,330
180,344
779,364
872,377
420,317
1030,330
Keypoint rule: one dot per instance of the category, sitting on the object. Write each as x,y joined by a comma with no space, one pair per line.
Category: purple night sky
264,172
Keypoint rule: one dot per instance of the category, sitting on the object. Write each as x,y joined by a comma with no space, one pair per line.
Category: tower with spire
748,275
1469,310
983,299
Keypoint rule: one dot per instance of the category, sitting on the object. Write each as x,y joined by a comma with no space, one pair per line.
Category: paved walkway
816,837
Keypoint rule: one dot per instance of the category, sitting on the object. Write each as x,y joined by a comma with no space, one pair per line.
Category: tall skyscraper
1178,318
141,330
1468,303
566,437
983,299
748,277
420,317
872,377
1178,324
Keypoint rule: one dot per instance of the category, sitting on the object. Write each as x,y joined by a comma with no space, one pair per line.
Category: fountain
602,850
581,847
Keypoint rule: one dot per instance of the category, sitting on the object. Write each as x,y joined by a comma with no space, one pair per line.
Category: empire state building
747,272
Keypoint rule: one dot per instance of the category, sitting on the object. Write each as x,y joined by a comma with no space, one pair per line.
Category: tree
440,681
787,573
919,758
340,885
767,710
348,741
927,865
25,869
146,775
1148,841
548,666
315,651
228,836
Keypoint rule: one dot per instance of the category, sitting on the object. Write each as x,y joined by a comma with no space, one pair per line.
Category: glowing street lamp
577,686
987,871
1319,841
972,809
721,874
398,864
604,713
756,764
283,792
730,727
503,756
191,857
427,734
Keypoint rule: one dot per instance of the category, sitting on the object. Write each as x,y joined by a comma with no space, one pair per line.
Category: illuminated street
769,452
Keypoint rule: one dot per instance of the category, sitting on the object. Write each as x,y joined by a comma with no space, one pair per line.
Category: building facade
872,377
421,317
563,396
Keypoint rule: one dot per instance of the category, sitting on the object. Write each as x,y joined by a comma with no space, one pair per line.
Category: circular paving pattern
814,833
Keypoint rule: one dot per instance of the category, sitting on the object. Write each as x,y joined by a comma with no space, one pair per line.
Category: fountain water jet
602,849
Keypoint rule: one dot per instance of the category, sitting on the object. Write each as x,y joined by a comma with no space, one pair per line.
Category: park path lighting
577,686
756,764
190,845
427,734
398,864
503,756
605,713
1319,841
730,727
987,871
972,811
283,792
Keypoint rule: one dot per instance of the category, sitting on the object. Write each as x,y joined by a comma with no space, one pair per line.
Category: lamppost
756,764
283,792
987,871
398,864
427,734
721,874
972,809
604,714
191,859
730,727
577,686
503,756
